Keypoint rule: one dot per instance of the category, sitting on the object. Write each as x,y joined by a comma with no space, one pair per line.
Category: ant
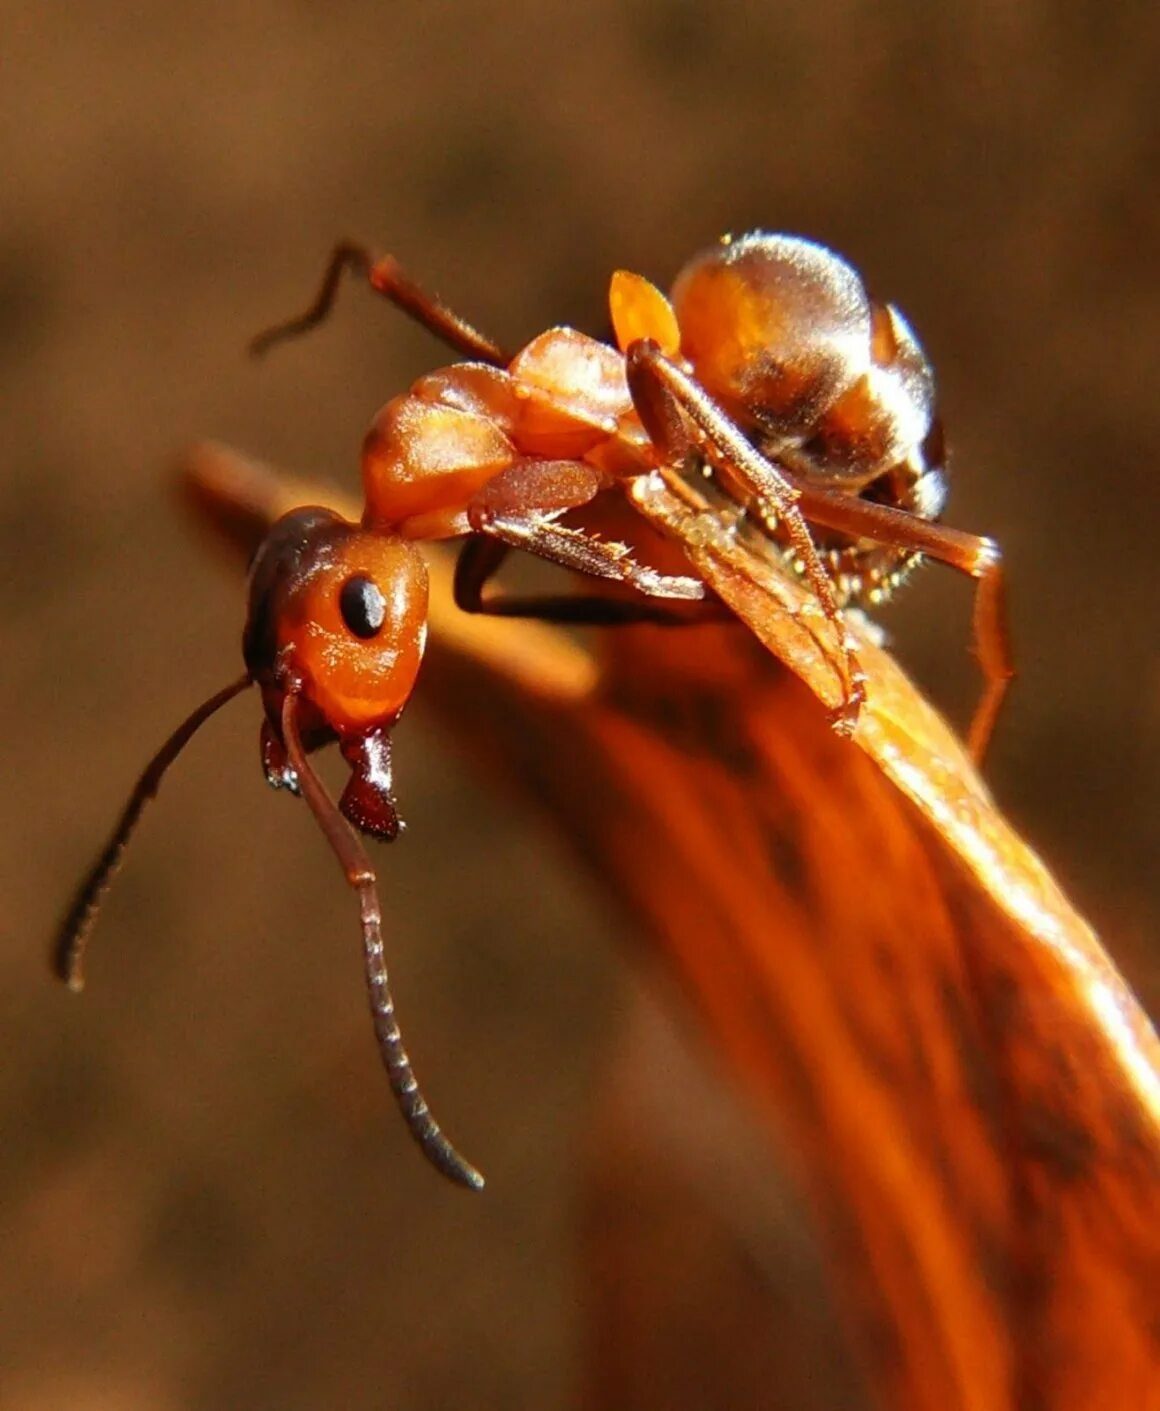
770,370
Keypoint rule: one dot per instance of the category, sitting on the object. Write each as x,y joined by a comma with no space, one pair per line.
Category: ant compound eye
363,607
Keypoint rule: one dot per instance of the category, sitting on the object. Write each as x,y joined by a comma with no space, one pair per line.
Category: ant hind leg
969,553
386,277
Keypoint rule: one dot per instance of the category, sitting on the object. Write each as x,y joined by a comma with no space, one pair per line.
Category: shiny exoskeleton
808,404
827,381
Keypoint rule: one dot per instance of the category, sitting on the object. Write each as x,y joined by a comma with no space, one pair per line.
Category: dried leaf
903,990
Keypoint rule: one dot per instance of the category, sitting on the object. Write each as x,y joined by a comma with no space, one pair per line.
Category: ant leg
360,875
386,277
517,509
969,553
482,555
679,417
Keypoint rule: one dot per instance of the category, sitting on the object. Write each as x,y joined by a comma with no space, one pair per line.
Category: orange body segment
338,614
855,435
573,391
774,327
485,391
421,456
357,685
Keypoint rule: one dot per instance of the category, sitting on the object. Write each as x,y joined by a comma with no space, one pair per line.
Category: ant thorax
826,382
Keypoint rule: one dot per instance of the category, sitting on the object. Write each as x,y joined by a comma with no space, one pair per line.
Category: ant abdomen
783,334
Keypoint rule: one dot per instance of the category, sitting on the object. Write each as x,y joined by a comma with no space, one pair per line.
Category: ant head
338,615
338,619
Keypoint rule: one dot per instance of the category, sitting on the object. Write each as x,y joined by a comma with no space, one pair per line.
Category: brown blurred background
206,1199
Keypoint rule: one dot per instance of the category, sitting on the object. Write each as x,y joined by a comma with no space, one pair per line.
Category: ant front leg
386,277
482,555
681,418
516,510
969,553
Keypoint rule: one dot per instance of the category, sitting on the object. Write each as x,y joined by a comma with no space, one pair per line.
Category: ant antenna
352,858
69,947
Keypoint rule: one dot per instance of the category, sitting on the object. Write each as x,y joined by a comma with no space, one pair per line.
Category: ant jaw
368,801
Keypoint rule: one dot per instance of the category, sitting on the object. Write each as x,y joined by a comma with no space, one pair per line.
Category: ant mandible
771,370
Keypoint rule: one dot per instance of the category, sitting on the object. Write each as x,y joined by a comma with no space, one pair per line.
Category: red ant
771,370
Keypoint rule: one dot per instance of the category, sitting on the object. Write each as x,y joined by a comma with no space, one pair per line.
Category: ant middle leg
681,419
386,277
